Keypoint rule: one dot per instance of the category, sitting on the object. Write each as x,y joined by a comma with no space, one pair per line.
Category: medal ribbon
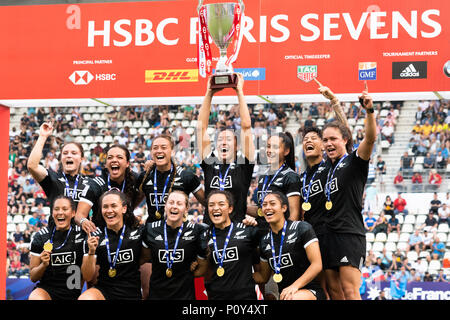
222,181
277,264
308,191
109,183
112,264
155,187
166,243
267,186
204,47
329,179
236,31
67,237
222,257
74,187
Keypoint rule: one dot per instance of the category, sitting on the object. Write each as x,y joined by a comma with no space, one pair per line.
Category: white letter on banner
193,31
92,33
126,34
327,26
397,19
355,32
144,27
74,20
435,25
315,30
262,29
285,31
375,24
247,26
160,32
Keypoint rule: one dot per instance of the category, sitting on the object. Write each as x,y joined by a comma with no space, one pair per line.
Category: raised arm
370,127
38,171
203,141
335,104
248,147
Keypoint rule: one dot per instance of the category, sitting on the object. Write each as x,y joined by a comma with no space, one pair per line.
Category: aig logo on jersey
286,261
333,185
63,258
178,256
316,188
215,182
125,256
231,254
161,199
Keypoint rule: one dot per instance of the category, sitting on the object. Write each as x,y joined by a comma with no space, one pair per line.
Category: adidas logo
344,259
410,71
159,238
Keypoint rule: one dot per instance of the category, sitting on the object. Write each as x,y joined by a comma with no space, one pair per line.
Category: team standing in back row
303,240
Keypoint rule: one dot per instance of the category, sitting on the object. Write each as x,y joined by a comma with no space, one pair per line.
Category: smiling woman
53,251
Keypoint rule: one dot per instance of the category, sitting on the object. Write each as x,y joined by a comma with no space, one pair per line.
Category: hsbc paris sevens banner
149,49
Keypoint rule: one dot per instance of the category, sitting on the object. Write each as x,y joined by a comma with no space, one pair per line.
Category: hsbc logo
84,77
81,77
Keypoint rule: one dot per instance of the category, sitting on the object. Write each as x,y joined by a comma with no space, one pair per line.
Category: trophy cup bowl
219,23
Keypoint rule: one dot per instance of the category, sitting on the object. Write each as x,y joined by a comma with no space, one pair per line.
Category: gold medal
306,206
277,277
158,215
260,213
328,205
220,271
168,272
48,246
112,272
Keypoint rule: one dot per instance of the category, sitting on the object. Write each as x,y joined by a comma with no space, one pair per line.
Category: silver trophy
219,22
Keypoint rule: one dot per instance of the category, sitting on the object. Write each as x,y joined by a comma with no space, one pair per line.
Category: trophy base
224,81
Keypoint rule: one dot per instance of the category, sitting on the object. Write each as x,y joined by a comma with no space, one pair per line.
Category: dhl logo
183,75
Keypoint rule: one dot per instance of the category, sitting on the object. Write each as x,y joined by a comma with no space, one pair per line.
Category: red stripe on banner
200,291
4,151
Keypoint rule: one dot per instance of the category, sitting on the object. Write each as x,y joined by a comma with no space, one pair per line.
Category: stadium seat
84,132
380,237
390,246
409,219
419,160
9,219
420,219
89,139
18,218
400,219
412,256
393,237
10,227
96,116
385,144
407,227
442,236
22,227
87,116
137,124
424,254
443,227
27,218
368,246
370,236
434,265
404,237
402,246
378,246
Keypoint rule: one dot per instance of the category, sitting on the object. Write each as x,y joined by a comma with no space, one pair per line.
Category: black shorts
57,293
342,249
316,290
112,293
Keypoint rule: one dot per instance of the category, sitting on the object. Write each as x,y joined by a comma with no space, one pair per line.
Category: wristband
82,220
370,110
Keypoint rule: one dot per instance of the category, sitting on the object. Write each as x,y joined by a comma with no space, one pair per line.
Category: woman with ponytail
117,175
280,175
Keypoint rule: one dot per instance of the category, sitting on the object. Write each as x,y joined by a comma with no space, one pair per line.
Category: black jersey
127,282
180,286
96,187
185,180
316,215
347,188
237,281
294,261
62,259
237,182
287,182
54,185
